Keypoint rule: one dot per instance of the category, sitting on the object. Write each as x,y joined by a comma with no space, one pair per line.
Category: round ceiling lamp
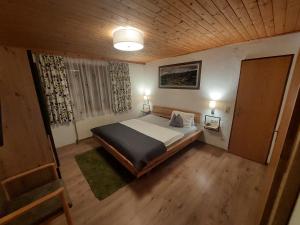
128,39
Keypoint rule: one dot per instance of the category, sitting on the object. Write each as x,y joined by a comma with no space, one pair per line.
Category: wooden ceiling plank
141,8
141,24
115,18
266,10
153,35
172,33
228,12
209,21
201,37
188,38
218,15
201,31
164,17
292,13
200,10
119,20
139,18
179,33
197,21
182,32
171,27
241,12
279,9
255,15
180,29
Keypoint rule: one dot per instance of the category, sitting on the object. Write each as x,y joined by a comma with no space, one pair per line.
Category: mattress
163,122
163,134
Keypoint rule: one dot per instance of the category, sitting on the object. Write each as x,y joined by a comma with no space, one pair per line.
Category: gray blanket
138,148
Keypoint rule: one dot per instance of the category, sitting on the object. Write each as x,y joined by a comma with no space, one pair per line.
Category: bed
143,143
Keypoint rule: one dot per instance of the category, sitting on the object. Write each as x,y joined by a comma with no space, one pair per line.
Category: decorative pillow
188,118
176,121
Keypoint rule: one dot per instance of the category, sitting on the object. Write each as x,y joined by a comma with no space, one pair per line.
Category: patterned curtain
120,86
56,89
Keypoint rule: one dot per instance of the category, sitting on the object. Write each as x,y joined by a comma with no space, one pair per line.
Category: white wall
64,135
220,74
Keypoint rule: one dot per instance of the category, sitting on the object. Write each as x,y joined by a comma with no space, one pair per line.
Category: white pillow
188,118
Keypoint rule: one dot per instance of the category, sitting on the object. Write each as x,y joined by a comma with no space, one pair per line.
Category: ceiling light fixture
128,39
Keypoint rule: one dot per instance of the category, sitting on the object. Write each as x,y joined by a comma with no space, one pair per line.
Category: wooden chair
40,204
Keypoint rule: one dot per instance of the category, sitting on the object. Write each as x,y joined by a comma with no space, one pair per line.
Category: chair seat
43,211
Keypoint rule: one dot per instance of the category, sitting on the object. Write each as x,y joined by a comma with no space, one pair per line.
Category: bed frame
171,150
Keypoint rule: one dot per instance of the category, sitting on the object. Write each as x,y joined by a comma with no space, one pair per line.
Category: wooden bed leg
66,209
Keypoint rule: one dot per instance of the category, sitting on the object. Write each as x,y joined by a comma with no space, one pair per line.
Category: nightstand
145,113
212,123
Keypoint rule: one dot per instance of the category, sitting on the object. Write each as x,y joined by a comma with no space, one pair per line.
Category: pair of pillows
182,119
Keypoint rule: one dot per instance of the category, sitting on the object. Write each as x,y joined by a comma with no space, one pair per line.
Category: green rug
104,173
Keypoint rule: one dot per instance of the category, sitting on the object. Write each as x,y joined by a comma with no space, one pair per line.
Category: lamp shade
128,39
212,104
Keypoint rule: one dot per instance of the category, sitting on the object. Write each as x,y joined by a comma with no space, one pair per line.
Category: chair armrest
28,172
15,214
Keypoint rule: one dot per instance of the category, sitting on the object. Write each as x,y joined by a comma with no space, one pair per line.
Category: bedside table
212,123
145,113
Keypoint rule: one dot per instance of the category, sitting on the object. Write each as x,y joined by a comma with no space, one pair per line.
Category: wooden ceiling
171,27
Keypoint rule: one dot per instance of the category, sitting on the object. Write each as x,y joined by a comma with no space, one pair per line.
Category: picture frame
180,76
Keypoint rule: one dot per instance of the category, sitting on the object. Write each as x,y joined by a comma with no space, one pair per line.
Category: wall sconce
212,106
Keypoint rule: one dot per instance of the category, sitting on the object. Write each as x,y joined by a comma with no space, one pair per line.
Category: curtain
54,82
120,86
89,86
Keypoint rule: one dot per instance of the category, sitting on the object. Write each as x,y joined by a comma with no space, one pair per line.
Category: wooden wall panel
25,140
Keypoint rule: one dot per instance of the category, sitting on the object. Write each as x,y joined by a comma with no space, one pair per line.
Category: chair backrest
32,179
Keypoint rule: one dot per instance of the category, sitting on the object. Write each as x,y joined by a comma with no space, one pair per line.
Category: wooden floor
202,185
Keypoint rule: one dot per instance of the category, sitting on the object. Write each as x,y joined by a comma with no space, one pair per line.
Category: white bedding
165,135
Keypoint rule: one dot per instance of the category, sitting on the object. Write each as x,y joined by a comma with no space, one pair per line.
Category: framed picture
182,76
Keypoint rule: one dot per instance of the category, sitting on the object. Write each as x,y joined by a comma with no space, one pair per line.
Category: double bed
143,143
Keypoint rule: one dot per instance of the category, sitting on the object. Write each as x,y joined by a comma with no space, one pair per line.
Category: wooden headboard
167,111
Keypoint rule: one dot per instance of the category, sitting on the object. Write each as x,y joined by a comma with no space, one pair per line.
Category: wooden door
260,92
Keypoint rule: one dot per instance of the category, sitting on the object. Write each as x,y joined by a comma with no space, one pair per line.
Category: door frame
285,186
282,97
